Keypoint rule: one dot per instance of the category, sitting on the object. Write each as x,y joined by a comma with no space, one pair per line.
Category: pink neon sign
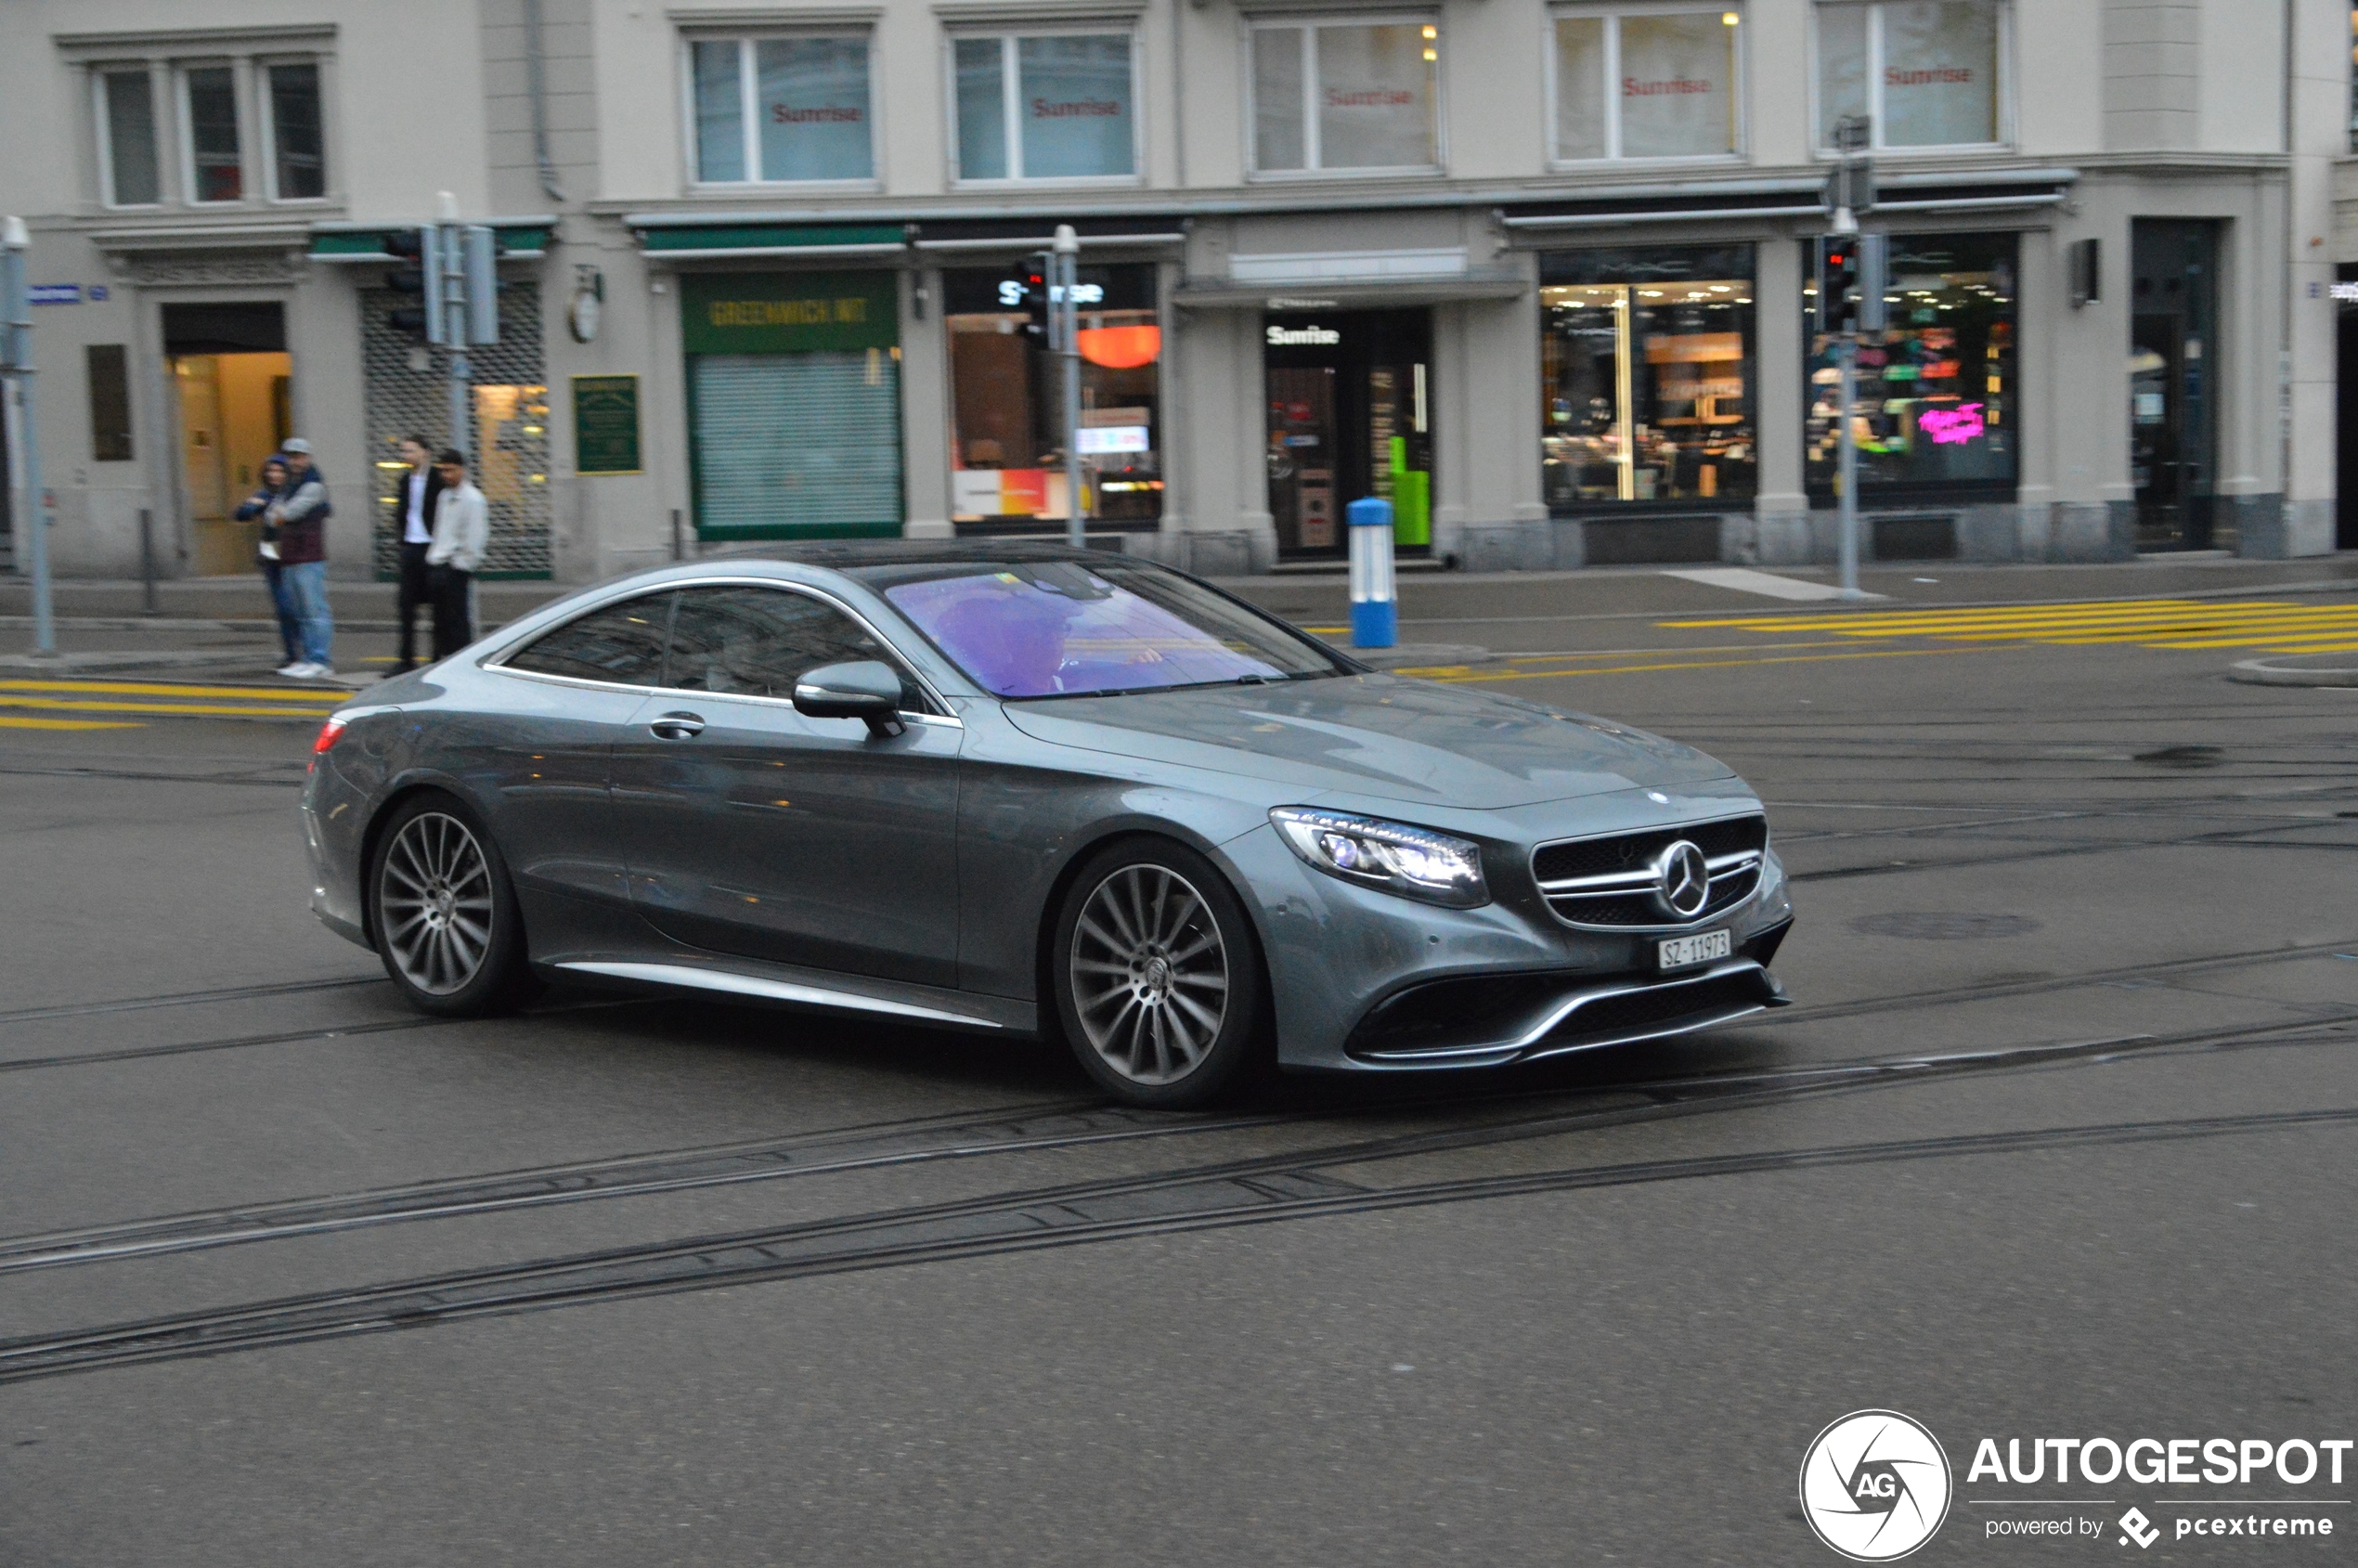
1953,427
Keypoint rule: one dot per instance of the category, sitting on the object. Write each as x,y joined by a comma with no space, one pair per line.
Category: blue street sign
54,294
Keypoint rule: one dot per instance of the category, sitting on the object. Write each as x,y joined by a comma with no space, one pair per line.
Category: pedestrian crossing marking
8,723
2265,624
164,689
208,710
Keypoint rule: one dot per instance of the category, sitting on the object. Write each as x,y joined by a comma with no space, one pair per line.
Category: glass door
2173,411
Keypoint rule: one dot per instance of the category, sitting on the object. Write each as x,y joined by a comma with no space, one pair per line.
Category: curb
2268,672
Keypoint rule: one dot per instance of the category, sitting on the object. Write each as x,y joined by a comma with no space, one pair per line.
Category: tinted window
759,641
621,642
1060,628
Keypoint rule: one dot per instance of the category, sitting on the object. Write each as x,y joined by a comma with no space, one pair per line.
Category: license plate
1702,948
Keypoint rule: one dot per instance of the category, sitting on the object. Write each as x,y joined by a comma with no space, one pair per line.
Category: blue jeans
306,585
290,628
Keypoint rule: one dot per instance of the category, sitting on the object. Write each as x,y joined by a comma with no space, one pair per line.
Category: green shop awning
711,241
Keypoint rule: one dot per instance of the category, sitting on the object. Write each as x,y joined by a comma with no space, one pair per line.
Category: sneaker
295,670
318,672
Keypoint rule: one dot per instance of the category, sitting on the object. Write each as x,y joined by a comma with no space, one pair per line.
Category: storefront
1006,404
1349,416
794,404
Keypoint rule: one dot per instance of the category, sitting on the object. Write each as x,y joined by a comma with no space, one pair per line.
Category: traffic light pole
23,434
1064,318
1847,472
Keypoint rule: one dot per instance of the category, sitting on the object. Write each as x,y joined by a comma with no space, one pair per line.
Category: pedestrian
421,488
265,554
462,530
301,513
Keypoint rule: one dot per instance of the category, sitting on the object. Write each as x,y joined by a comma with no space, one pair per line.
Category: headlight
1414,862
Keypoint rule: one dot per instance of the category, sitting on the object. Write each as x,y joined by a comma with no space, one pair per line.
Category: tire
1157,978
444,913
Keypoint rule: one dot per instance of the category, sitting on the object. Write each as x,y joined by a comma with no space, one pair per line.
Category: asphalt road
2059,1139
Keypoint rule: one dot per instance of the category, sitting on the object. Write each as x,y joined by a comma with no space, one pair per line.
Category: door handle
676,727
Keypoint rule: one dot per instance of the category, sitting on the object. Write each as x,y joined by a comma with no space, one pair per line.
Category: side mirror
867,690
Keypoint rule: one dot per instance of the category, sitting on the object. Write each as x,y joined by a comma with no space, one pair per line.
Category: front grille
1639,1011
1623,895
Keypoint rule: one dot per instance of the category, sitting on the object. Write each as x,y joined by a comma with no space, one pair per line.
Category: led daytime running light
1413,861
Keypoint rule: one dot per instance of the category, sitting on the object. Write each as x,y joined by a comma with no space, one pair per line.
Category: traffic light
1837,283
1035,294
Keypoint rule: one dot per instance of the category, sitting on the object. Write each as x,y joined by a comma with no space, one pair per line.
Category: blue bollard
1375,614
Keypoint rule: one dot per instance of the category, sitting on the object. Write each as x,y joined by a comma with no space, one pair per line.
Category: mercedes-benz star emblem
1685,885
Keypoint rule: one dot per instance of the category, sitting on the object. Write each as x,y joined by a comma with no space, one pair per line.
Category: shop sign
1953,427
1114,439
606,424
1303,337
787,312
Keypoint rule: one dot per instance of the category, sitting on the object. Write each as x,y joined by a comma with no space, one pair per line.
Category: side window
622,643
758,641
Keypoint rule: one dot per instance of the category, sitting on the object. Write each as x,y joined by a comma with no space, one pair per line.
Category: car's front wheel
1155,977
443,911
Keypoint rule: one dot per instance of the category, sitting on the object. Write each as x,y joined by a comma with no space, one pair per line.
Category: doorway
2173,352
1349,416
232,382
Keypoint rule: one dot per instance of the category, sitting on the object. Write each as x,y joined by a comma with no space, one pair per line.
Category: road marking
162,688
1743,580
1460,675
2272,626
8,723
170,709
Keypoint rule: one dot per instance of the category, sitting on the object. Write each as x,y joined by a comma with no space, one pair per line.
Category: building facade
1536,272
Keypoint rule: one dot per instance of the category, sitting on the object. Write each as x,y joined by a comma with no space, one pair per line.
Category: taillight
327,733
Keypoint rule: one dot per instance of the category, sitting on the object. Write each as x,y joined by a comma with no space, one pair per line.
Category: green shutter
797,445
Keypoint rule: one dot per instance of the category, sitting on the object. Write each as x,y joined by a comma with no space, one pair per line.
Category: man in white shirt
461,533
421,488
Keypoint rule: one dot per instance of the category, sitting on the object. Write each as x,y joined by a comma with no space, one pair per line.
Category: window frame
145,70
181,70
2002,90
1011,101
266,117
748,93
1613,16
1307,25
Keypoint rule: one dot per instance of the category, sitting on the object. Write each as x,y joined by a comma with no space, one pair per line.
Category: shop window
1646,365
1007,399
1935,405
782,110
298,152
1354,96
127,138
1045,107
209,102
1924,72
1647,84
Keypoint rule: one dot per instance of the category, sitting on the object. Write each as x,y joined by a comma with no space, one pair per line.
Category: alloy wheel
433,903
1149,974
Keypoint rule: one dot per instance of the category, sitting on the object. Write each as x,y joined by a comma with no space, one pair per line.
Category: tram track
1287,1186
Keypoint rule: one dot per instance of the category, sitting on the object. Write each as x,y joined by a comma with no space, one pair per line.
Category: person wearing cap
461,532
301,513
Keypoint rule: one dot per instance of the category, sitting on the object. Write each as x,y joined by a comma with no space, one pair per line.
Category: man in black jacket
421,491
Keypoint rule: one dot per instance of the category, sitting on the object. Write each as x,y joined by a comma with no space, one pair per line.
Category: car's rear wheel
443,911
1157,980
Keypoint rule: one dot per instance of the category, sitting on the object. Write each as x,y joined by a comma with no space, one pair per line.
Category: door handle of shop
676,727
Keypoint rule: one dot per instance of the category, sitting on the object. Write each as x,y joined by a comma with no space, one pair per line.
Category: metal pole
451,263
1064,311
146,562
1849,469
16,369
679,549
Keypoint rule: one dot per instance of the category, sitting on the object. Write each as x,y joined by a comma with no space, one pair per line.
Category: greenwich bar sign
787,312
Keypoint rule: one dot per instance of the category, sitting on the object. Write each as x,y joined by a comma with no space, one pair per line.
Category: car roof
845,555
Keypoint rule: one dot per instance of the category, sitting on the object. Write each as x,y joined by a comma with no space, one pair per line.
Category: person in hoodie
301,511
274,481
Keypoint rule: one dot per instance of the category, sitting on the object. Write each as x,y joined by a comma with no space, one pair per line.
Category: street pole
1847,475
451,288
23,429
1851,190
1064,323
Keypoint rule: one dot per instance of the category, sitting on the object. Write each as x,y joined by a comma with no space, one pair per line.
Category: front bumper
1363,980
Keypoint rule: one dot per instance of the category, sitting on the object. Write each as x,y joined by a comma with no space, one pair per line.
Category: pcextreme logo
1874,1485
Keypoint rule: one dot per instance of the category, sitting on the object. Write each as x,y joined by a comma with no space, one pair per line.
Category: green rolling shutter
797,445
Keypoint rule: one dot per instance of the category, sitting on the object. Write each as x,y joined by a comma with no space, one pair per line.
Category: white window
129,166
1659,83
1924,72
212,166
298,159
780,109
1346,95
1045,106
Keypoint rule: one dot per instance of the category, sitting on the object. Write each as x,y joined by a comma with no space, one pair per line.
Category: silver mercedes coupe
1024,790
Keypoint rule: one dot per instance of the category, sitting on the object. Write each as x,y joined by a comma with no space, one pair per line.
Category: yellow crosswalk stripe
164,689
2182,623
8,723
216,710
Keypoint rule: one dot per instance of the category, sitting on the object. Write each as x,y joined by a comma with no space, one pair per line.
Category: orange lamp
1120,348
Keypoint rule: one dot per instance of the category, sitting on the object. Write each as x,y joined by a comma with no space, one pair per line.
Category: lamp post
22,431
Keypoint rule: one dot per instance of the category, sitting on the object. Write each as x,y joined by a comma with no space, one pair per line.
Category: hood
1376,735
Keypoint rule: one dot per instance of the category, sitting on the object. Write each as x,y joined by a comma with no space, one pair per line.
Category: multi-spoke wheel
444,915
1158,981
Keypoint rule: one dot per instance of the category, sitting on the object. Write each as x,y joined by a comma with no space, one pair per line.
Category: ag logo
1874,1485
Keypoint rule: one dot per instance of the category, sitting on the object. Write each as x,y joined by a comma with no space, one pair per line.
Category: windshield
1059,629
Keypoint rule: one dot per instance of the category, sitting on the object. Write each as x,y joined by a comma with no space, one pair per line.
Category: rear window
1062,629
